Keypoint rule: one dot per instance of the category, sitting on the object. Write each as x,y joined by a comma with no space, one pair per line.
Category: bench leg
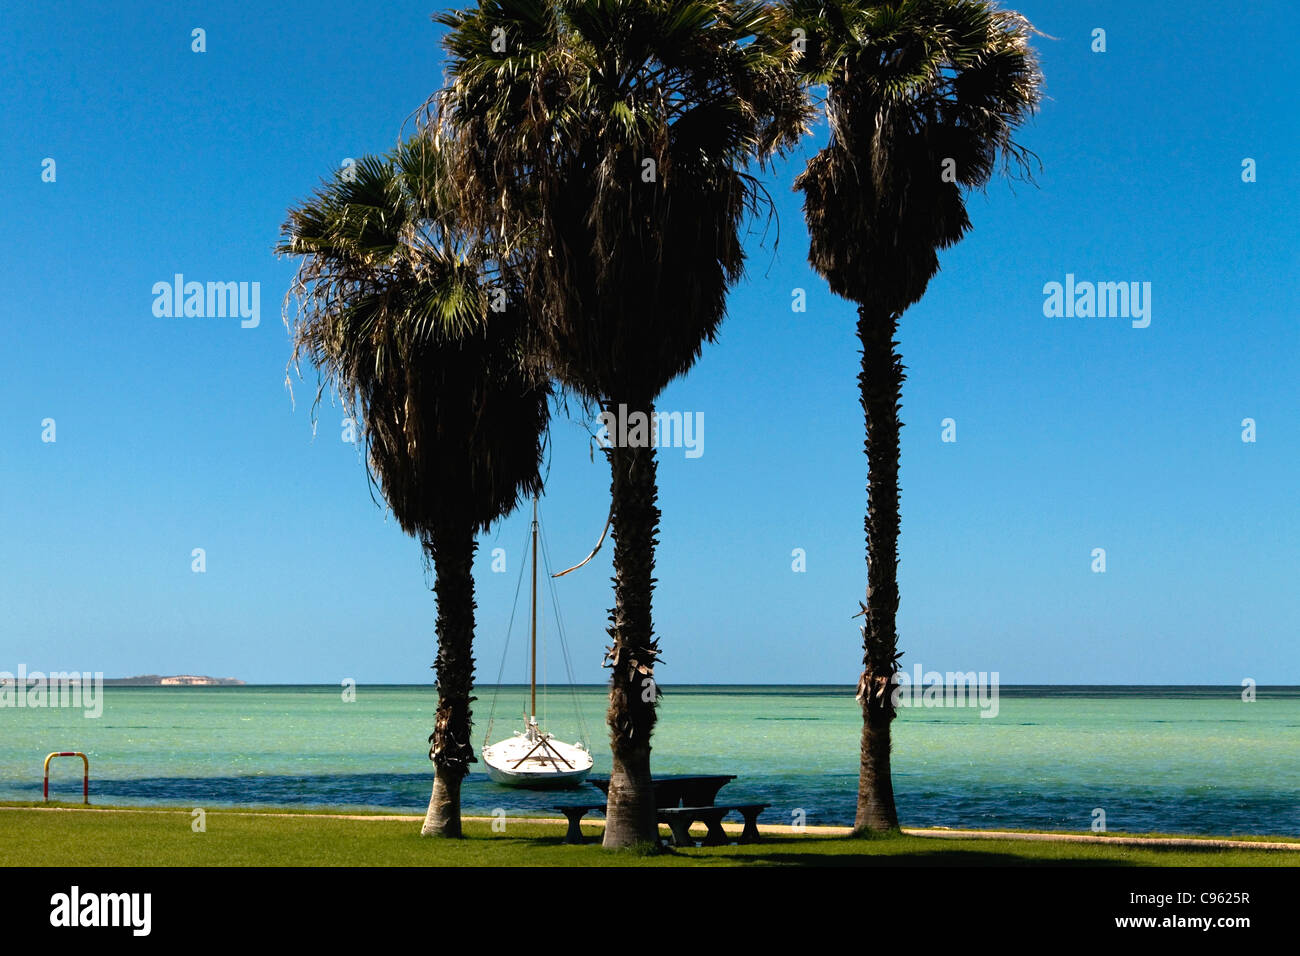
750,833
574,834
716,835
681,827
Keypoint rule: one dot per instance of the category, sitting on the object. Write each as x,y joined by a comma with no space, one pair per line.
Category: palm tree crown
922,98
615,136
397,310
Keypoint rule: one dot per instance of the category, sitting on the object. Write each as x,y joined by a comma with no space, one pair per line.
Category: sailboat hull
560,780
520,762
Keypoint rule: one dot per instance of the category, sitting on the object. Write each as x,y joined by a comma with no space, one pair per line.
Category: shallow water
1194,760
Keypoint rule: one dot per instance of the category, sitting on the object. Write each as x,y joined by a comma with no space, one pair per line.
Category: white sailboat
532,758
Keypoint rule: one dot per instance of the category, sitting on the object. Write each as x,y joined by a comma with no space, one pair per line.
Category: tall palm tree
922,99
616,134
396,311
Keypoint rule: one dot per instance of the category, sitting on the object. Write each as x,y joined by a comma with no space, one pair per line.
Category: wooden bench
679,820
574,814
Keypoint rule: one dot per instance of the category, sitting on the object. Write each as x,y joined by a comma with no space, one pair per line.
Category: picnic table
680,800
679,789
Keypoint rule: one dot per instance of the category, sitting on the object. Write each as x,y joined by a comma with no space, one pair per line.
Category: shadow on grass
888,850
952,858
896,849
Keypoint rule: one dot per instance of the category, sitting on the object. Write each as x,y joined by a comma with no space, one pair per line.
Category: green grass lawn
155,837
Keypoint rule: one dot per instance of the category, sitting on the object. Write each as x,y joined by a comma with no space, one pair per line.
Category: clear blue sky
1072,434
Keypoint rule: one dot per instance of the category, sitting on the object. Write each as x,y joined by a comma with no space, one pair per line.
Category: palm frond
394,307
915,88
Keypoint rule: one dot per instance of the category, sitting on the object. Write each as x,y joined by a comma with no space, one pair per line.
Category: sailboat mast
532,711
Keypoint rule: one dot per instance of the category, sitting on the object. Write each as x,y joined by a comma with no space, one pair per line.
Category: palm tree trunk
452,551
881,384
630,815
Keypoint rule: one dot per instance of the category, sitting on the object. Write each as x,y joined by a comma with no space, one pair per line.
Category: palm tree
922,100
615,135
396,311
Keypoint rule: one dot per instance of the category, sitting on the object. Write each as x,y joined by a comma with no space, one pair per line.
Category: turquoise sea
1171,759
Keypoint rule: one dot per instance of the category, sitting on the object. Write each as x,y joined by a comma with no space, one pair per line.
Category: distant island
176,680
